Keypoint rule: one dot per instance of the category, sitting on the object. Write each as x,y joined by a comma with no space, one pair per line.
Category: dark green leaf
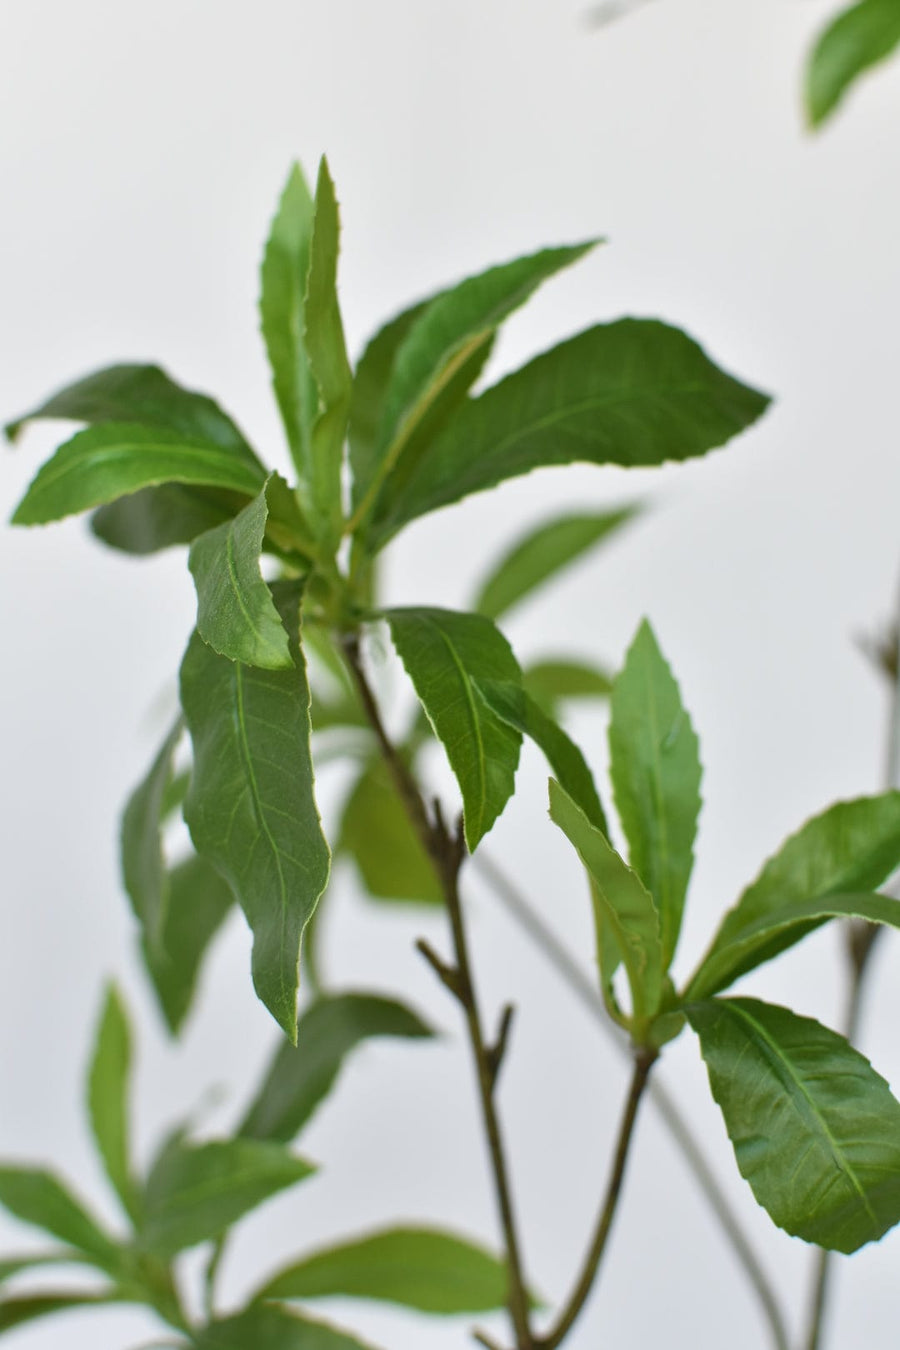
196,1191
370,382
625,907
655,772
298,1079
39,1198
541,553
633,393
445,653
815,1130
143,863
251,808
114,459
14,1312
268,1327
553,681
859,38
157,518
419,1268
376,832
108,1085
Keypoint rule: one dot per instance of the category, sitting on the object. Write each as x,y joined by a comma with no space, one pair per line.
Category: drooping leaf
298,1079
236,615
773,933
15,1312
268,1327
541,553
553,681
194,1192
251,808
143,863
815,1129
431,1271
634,393
655,772
376,833
156,518
281,305
197,903
445,653
38,1197
114,459
858,39
108,1085
370,382
625,907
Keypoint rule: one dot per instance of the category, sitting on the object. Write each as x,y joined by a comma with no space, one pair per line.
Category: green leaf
624,905
815,1130
859,38
541,553
445,653
298,1080
146,396
143,863
419,1268
14,1312
655,772
197,903
114,459
561,752
774,933
268,1327
235,612
324,340
634,393
156,518
39,1198
552,681
370,382
108,1084
195,1192
250,808
281,304
63,1256
376,832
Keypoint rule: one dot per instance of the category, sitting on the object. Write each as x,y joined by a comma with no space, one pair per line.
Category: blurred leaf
157,518
143,863
39,1198
298,1079
376,832
551,682
268,1327
859,38
108,1086
815,1130
14,1312
61,1256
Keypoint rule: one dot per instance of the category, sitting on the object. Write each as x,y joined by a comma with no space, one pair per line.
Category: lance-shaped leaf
156,518
298,1079
144,395
541,553
251,808
445,653
15,1312
323,337
859,38
634,393
198,900
281,305
268,1327
421,1268
556,679
108,1086
775,932
370,383
113,459
377,834
561,752
38,1197
236,615
655,772
815,1129
624,905
143,863
194,1192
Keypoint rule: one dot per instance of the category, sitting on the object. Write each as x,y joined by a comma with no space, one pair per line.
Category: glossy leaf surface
251,808
299,1079
376,832
860,37
815,1130
446,654
268,1327
655,773
108,1087
38,1197
143,863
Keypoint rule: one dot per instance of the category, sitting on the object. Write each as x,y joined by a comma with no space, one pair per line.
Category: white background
141,152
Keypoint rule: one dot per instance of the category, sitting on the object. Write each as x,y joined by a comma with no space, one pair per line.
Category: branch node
494,1053
448,975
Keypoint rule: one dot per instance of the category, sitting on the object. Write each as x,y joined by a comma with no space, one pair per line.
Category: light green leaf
370,382
39,1198
859,38
250,808
298,1080
815,1130
419,1268
552,681
376,832
15,1312
62,1256
445,653
655,772
541,553
268,1327
281,304
235,612
108,1085
624,906
634,393
156,518
113,459
195,1192
143,863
